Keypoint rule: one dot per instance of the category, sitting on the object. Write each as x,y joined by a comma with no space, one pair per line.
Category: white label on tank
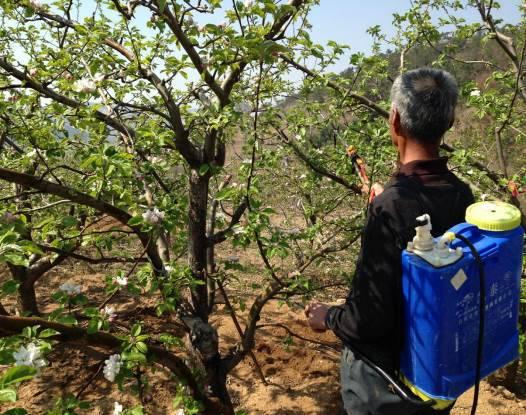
459,279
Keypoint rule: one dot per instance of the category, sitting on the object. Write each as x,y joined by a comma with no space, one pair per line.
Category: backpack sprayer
461,302
461,296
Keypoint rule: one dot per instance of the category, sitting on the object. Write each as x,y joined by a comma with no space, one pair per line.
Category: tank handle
473,233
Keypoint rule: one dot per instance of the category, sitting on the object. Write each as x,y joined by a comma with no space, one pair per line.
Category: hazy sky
346,21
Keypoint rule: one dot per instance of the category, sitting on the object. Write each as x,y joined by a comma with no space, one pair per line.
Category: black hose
482,296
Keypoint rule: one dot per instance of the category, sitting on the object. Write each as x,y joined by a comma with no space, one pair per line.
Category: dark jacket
369,321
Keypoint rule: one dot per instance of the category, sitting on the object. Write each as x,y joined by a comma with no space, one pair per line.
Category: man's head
423,107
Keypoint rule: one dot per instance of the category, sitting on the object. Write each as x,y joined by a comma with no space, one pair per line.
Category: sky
347,21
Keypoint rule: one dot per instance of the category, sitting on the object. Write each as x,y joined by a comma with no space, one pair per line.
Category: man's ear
394,120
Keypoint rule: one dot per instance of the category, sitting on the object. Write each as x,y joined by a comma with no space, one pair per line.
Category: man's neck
414,152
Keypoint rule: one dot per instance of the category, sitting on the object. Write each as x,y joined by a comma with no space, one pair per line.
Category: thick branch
222,235
89,260
14,325
183,145
250,330
45,186
190,50
48,92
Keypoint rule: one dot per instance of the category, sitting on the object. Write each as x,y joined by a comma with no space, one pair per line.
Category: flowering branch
10,325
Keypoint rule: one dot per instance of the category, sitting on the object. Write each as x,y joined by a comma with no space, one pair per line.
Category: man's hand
316,313
372,191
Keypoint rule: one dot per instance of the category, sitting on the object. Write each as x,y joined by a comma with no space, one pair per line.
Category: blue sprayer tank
441,301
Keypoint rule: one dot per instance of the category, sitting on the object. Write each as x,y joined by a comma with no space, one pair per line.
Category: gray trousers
365,392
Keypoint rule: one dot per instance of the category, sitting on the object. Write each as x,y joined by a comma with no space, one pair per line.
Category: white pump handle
423,241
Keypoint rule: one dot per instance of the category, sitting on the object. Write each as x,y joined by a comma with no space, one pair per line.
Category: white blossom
122,281
237,230
243,107
36,4
204,99
475,93
222,25
168,268
117,408
29,356
303,176
248,3
109,312
85,85
153,216
98,77
155,159
44,101
180,411
189,20
70,288
33,72
112,367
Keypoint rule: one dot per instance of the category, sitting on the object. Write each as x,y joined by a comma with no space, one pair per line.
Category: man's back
370,320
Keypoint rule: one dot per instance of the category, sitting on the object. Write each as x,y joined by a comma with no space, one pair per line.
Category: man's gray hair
425,98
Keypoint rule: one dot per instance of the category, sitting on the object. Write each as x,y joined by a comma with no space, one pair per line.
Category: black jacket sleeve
370,312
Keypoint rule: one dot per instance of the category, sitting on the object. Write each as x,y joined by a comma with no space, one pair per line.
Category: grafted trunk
197,240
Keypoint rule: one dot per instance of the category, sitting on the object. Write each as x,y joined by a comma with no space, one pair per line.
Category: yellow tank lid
493,216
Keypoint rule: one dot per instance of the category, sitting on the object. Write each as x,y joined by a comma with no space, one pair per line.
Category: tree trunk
26,298
197,240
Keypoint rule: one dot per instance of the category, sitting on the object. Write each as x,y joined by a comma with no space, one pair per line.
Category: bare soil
300,366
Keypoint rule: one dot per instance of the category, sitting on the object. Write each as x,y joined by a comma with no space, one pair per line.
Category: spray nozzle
422,220
423,240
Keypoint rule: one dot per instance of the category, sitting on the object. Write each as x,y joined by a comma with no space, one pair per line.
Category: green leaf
17,374
6,357
68,221
170,339
48,333
162,5
142,347
67,319
136,220
136,330
15,411
203,169
134,357
7,395
136,411
9,287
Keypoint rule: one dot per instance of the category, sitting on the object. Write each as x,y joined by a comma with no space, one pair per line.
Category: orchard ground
300,366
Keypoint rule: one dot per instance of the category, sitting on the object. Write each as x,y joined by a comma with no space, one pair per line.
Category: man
369,323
